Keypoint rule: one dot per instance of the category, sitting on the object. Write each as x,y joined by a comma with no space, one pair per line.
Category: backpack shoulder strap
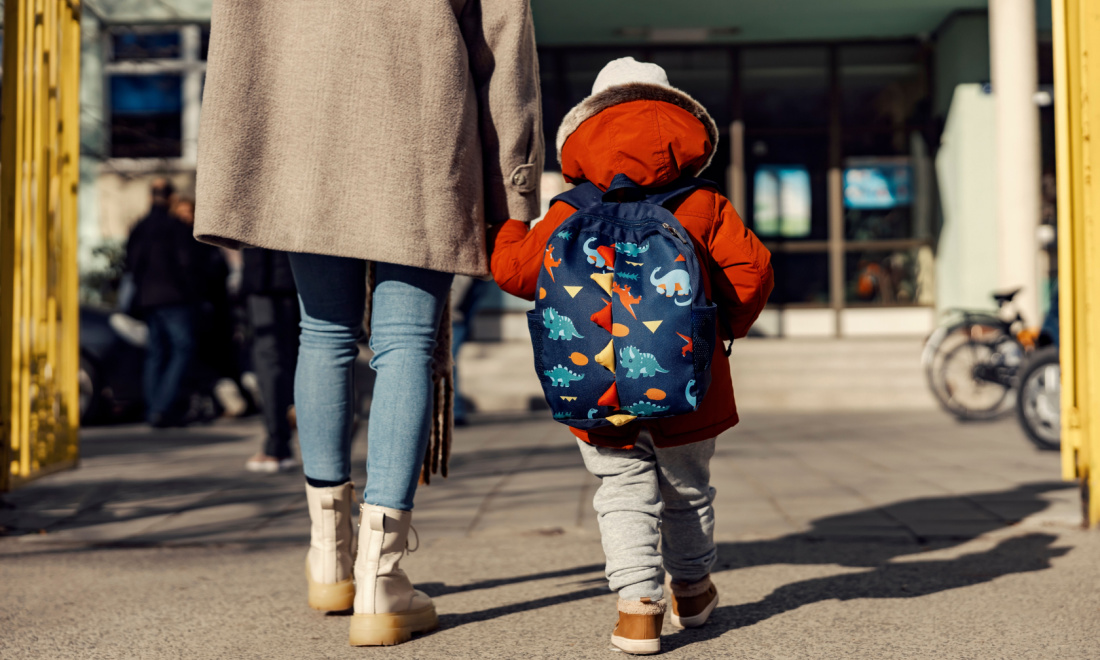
676,190
581,197
587,195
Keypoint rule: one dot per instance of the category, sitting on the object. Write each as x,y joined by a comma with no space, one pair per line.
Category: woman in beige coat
385,132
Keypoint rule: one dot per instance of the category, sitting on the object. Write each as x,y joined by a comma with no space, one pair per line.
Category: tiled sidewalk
841,535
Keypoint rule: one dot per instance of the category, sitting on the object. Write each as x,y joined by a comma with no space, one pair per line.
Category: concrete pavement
878,535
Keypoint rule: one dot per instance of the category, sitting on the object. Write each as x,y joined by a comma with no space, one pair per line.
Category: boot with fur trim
692,602
387,608
639,628
331,547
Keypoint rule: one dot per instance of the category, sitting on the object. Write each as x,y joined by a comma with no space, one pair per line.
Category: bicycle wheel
974,383
1039,403
943,342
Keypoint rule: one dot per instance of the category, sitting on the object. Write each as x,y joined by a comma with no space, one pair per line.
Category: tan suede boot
387,608
692,602
639,628
331,547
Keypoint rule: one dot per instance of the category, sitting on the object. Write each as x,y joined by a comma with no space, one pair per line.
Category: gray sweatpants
651,496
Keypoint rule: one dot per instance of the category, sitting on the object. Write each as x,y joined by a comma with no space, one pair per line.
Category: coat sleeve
744,279
517,252
500,39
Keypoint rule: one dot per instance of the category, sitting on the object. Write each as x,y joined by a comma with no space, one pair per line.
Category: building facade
832,127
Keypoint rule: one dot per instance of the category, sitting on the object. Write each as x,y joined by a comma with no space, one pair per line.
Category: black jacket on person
266,273
161,256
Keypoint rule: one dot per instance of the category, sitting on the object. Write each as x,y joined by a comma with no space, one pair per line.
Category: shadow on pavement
909,579
158,490
872,538
120,441
436,589
76,506
148,495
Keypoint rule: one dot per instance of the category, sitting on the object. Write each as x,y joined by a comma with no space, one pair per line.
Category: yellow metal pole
39,314
9,142
69,372
1076,31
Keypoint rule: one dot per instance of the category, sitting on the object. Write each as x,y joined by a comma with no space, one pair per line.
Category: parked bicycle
972,362
1039,401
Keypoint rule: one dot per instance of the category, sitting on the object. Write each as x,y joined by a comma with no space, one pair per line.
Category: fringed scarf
442,395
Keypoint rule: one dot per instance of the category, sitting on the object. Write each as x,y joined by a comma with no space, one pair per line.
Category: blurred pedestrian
401,166
215,384
655,499
160,258
467,294
267,286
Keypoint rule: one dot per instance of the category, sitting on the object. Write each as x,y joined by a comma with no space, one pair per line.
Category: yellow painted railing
39,314
1077,122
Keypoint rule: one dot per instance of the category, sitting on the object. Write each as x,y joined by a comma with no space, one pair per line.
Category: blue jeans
407,306
168,356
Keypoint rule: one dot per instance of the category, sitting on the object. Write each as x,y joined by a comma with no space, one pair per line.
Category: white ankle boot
387,608
331,551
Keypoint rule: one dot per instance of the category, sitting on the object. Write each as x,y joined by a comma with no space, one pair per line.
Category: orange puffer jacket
653,142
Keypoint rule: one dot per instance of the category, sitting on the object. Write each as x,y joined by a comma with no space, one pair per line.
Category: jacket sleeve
743,279
517,253
500,40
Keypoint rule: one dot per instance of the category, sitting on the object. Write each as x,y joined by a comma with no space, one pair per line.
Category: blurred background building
861,141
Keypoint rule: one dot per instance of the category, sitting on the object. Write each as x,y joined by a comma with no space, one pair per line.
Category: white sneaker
263,463
288,464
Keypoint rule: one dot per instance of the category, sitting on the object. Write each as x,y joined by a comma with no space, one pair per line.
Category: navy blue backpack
622,329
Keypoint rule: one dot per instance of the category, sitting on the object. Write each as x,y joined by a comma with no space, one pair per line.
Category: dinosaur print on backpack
639,364
625,298
561,376
674,283
601,256
631,249
561,327
549,261
622,317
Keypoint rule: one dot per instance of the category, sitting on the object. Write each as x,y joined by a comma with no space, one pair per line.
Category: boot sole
697,620
391,628
636,646
330,597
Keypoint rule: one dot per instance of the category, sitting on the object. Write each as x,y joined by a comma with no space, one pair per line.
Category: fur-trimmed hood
689,163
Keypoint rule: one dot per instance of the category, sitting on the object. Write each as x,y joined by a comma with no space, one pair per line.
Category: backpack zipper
674,232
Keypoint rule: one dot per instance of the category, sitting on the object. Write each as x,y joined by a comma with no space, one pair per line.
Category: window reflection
800,278
781,201
878,194
881,84
145,44
146,115
785,87
895,277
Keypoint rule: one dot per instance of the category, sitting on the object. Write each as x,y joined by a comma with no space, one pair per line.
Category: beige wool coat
387,131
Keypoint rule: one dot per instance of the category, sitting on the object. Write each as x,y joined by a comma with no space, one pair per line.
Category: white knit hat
624,80
627,70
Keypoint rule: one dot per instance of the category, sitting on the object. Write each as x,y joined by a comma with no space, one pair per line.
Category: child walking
654,503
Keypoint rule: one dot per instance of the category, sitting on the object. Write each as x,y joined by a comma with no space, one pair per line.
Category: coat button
519,179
